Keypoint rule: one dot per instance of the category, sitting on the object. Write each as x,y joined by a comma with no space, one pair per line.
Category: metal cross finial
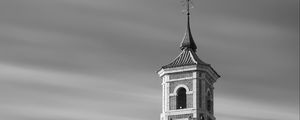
188,4
188,41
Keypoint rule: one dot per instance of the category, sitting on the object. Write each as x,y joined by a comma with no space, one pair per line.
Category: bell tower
187,83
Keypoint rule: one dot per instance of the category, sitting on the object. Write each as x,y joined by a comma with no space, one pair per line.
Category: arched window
209,102
181,98
201,117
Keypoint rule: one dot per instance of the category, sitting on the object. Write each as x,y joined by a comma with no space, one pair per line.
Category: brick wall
172,103
189,100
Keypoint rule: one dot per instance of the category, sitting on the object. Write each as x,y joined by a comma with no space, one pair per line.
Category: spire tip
188,41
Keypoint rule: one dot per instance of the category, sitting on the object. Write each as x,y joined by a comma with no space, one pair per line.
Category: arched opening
181,98
201,117
209,102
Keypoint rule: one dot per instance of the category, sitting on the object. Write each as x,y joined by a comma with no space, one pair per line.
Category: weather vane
188,4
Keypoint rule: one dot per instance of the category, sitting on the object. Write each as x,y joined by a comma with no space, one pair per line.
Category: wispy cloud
78,60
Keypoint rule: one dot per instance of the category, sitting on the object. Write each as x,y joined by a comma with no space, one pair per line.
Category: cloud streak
78,60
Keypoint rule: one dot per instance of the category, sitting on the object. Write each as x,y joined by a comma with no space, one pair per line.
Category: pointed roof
188,47
188,41
188,54
186,57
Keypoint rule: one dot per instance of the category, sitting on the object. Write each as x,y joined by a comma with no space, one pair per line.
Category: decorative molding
180,86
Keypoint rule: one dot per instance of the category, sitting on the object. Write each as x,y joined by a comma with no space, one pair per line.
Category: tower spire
188,41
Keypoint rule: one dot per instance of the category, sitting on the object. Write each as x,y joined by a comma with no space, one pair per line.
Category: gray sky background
96,59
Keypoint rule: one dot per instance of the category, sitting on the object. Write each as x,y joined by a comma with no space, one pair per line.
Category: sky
97,59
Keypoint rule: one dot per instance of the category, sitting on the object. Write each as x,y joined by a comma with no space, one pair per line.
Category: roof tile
186,57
